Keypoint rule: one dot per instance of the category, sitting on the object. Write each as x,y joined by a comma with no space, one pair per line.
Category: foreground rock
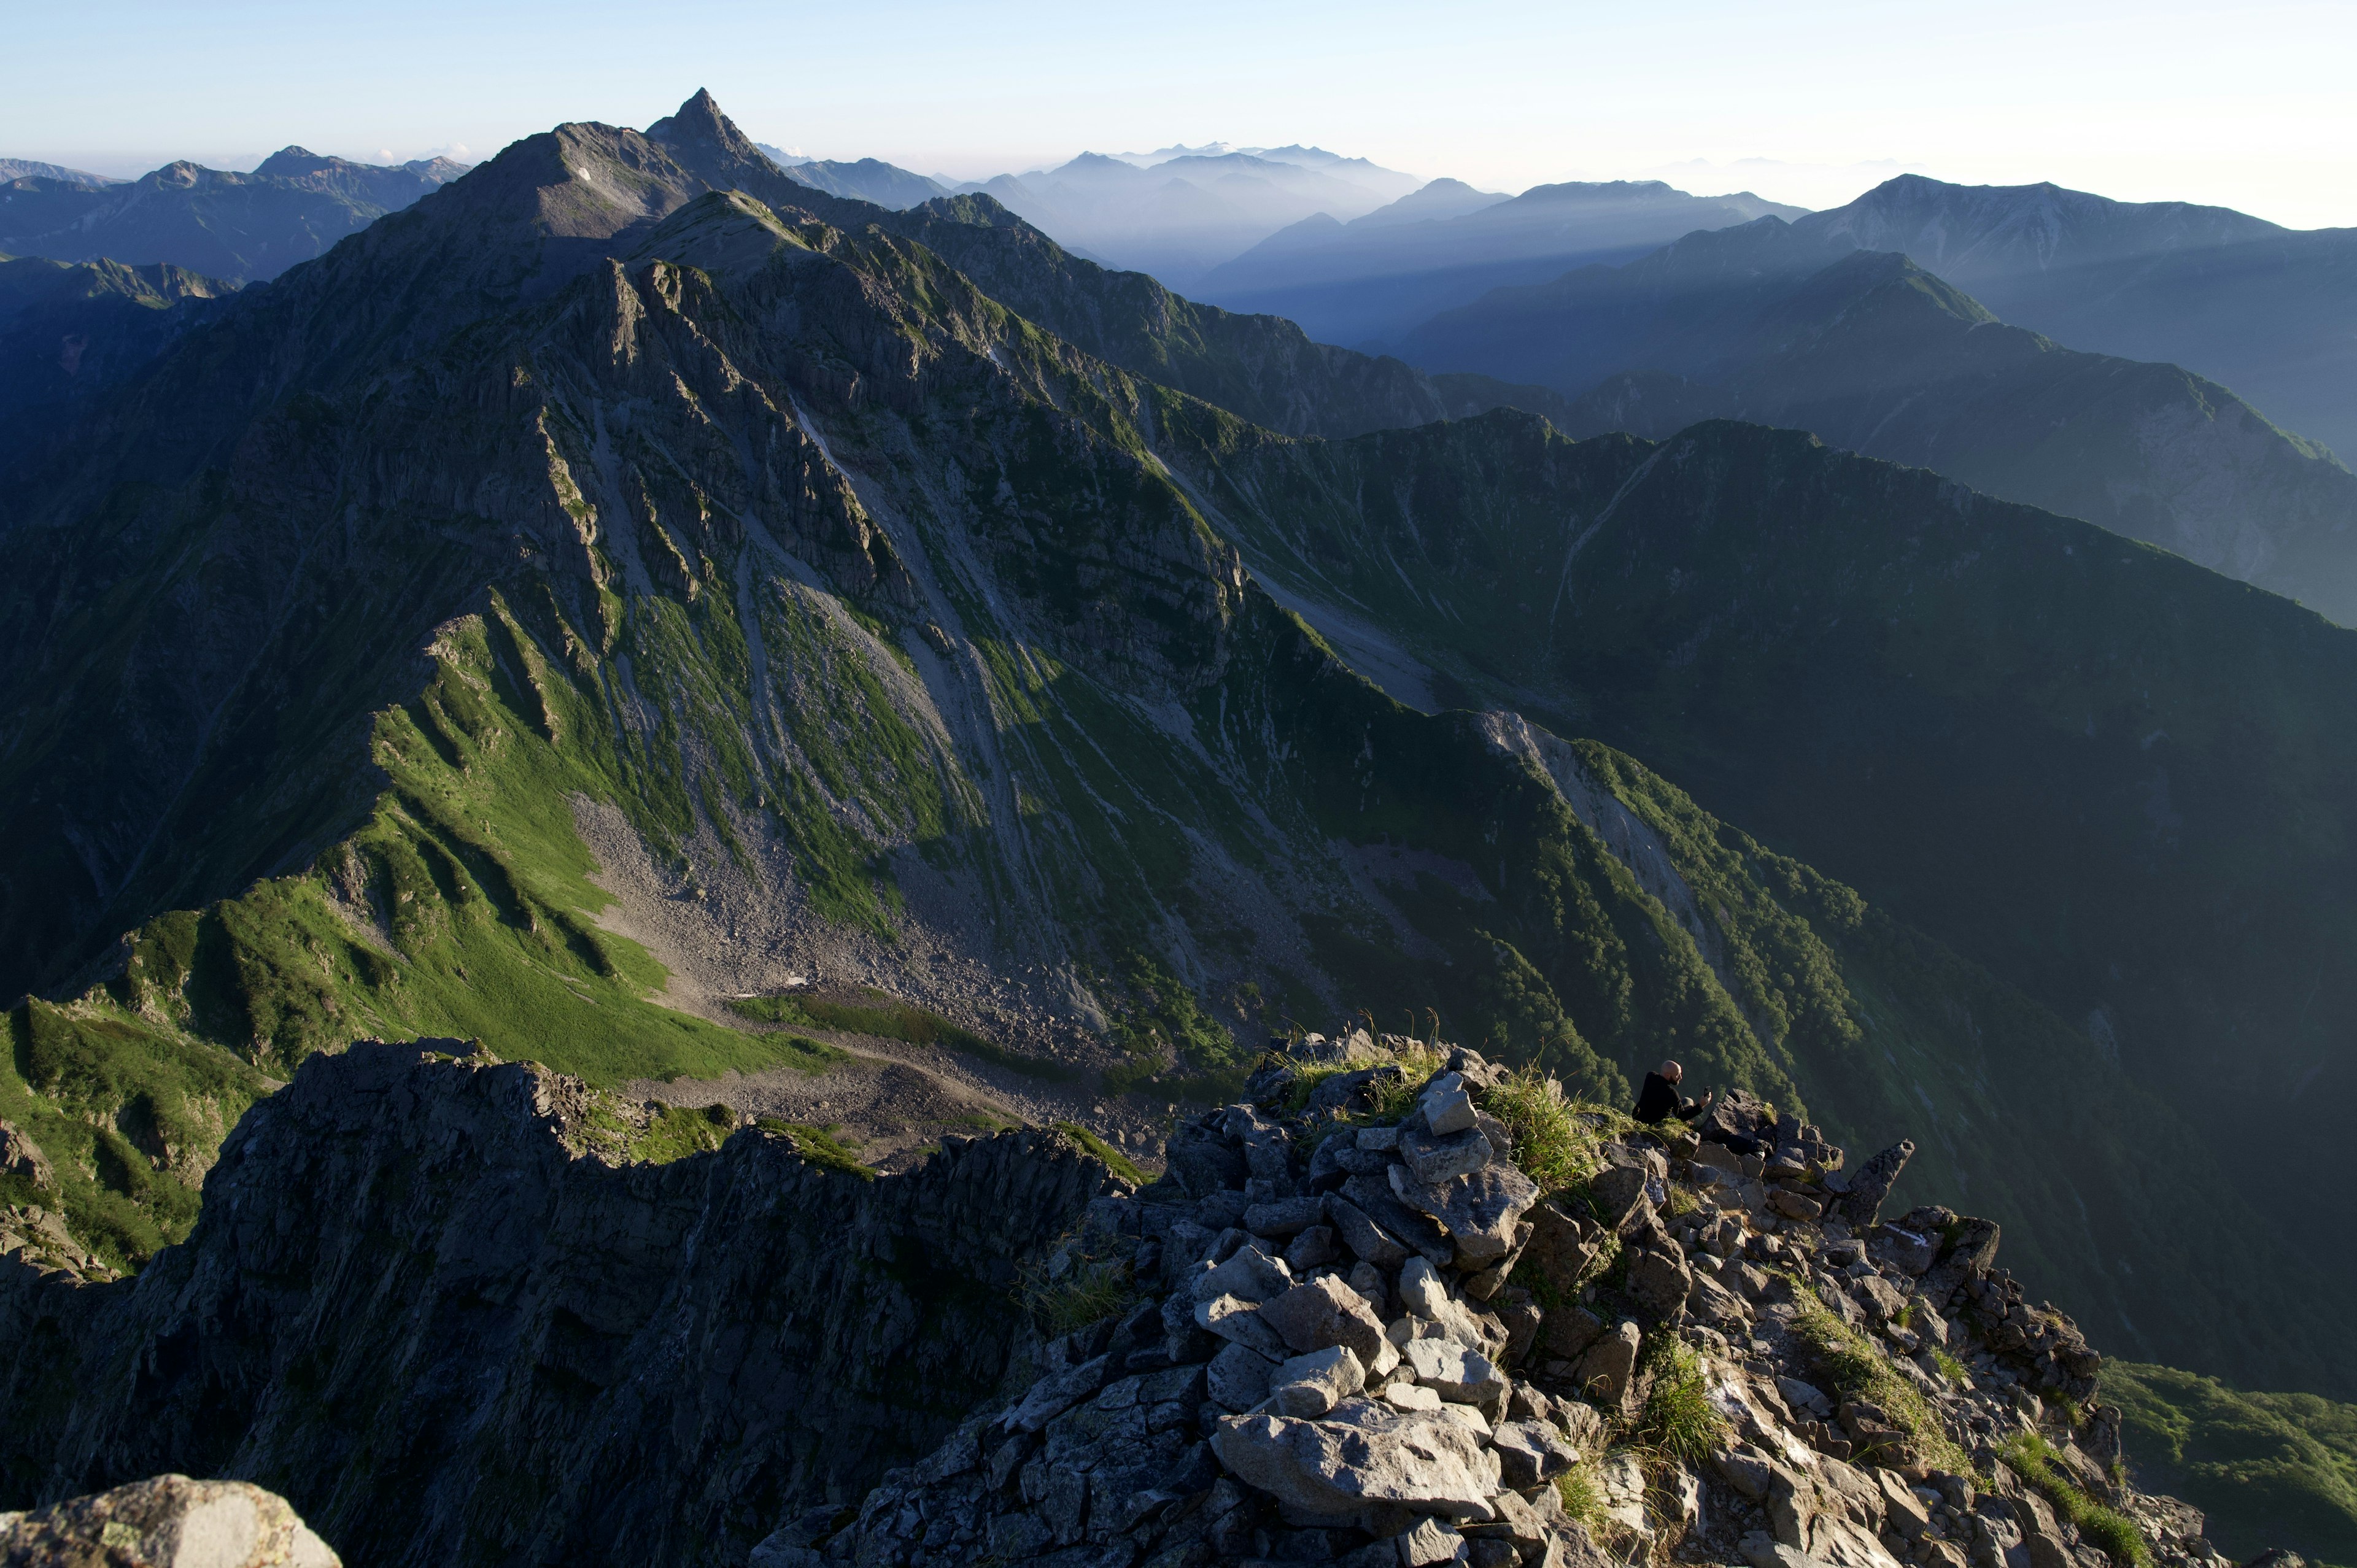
416,1311
169,1521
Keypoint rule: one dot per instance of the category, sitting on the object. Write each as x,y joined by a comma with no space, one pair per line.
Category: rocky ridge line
1357,1337
422,1306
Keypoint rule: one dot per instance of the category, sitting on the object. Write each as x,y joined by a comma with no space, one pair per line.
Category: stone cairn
1372,1339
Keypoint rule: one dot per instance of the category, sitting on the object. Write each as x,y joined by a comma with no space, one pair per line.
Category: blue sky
2249,106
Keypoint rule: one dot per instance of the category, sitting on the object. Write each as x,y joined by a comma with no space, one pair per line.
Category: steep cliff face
416,1312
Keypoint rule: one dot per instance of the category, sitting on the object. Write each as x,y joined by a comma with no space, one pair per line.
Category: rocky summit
1405,1307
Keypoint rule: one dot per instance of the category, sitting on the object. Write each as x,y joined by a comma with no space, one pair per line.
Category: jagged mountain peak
699,124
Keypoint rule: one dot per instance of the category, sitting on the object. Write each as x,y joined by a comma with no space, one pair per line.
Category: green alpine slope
2267,1470
586,492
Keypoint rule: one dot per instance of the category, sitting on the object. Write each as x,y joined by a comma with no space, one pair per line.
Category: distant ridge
24,169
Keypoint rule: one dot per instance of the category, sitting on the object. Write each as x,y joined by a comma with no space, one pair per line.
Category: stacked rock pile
1357,1330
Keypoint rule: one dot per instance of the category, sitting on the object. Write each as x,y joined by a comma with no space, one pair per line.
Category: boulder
169,1521
1560,1249
1308,1386
1433,1158
1314,1248
1904,1249
1969,1249
1420,1290
1238,1376
1615,1193
1714,1303
1204,1161
1565,1333
1794,1205
1239,1322
1447,1105
1249,1274
1457,1374
1368,1241
1366,1454
1051,1396
1880,1297
1421,1233
1531,1453
1429,1543
1607,1373
1478,1212
1286,1217
1324,1313
1660,1281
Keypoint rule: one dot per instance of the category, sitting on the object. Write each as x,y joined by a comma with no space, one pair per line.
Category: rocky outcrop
415,1311
1303,1373
169,1521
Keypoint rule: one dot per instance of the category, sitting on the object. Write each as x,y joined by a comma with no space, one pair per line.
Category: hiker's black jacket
1659,1099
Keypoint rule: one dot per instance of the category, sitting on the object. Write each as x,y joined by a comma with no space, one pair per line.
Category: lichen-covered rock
166,1521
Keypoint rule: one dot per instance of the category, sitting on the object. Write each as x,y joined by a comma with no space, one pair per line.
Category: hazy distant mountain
866,180
2266,311
1387,182
1185,215
24,169
71,331
1873,353
2271,312
1372,279
243,227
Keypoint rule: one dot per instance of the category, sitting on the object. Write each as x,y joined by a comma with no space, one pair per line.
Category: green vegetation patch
1558,1143
130,1116
1855,1369
2268,1469
820,1146
1089,1288
1111,1158
2032,1458
1677,1421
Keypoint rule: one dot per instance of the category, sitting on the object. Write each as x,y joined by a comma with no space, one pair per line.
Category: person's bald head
1672,1072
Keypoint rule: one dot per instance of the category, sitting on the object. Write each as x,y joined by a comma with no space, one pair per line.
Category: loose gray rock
1432,1158
1478,1212
1447,1106
1606,1374
1367,1241
1457,1374
1238,1376
1429,1542
1323,1313
1239,1322
1251,1275
1367,1454
1530,1453
1308,1386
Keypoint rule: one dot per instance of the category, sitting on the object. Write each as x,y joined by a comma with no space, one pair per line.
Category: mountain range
239,227
628,579
1374,278
2264,311
1873,353
1181,217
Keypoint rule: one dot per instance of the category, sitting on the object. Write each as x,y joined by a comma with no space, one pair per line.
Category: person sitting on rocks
1658,1101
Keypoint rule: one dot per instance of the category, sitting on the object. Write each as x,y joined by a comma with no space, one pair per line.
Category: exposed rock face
169,1521
410,1308
20,1156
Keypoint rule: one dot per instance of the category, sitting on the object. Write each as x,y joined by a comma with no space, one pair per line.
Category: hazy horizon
1809,105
